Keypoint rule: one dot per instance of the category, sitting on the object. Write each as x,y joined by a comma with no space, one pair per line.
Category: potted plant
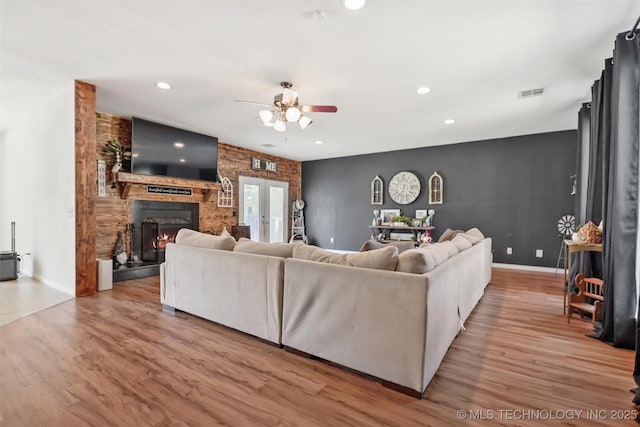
401,221
118,153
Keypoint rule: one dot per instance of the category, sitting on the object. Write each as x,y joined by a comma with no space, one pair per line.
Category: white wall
37,188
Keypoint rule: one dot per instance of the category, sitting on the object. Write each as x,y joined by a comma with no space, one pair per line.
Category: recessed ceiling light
182,160
449,122
423,90
319,142
163,85
354,4
134,155
178,144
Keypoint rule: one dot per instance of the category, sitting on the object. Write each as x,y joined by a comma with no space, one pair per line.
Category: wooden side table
571,247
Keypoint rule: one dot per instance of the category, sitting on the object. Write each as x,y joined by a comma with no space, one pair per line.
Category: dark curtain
621,299
584,125
594,184
620,190
581,262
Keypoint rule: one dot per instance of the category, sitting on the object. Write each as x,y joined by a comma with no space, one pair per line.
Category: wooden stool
587,287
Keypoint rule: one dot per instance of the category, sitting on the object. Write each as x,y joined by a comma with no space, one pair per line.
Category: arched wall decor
377,191
436,189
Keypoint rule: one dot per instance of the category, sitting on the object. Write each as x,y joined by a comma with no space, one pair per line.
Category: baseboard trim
54,285
528,268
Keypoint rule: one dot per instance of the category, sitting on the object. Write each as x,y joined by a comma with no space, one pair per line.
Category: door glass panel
251,209
276,214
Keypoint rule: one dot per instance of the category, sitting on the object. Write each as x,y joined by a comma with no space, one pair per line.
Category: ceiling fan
286,108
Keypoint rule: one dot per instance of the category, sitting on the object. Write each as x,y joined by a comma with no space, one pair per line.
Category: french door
264,206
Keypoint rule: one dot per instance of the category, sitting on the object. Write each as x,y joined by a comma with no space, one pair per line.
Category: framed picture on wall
421,213
387,214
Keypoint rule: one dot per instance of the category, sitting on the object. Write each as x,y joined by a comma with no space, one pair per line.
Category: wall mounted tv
164,150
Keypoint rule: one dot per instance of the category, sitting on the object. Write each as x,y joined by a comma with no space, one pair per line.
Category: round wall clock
404,188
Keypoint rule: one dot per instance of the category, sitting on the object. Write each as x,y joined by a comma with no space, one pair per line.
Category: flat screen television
159,149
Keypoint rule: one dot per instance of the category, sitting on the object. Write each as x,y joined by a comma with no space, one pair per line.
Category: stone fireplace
157,223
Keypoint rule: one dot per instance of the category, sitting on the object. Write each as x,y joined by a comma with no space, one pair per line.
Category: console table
572,247
415,230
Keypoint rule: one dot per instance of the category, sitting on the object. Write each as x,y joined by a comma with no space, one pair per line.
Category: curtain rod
631,34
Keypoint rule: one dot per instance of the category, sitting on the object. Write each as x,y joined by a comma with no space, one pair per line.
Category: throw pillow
314,253
381,259
475,232
461,243
470,237
416,261
451,249
194,238
373,244
449,234
282,250
440,254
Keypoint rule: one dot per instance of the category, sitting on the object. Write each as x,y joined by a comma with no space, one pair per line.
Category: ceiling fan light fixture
304,122
354,4
265,116
280,125
289,97
293,114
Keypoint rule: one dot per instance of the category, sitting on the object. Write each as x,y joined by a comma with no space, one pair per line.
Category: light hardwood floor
25,296
115,359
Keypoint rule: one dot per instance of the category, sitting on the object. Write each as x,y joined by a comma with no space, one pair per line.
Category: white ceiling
475,56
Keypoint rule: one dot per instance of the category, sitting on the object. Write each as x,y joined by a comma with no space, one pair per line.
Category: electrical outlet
538,253
331,240
509,251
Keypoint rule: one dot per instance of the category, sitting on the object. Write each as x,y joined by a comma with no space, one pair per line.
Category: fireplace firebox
157,223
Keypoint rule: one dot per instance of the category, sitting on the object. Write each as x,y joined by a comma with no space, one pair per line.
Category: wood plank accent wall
113,213
85,164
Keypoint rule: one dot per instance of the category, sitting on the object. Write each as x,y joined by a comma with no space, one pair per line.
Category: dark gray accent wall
513,189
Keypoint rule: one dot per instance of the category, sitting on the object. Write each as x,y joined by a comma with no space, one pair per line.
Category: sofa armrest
373,321
163,285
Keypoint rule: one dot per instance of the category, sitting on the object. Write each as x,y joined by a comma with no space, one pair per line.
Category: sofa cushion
440,253
475,232
461,243
282,250
314,253
373,244
416,261
449,234
470,237
187,237
381,259
449,247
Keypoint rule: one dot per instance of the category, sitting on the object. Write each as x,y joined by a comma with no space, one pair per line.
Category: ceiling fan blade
254,103
319,108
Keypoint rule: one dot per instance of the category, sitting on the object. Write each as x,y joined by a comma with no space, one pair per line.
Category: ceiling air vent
530,93
268,145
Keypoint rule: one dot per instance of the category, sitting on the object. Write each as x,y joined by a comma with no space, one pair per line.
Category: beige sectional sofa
393,325
387,314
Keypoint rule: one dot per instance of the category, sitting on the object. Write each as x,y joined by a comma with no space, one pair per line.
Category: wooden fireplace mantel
126,180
